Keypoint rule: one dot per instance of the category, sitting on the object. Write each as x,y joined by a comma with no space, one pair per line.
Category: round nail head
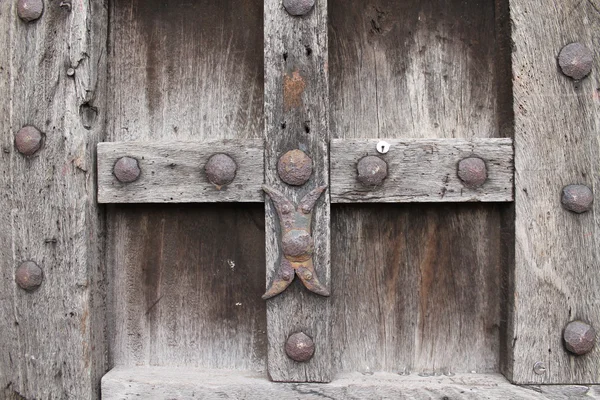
577,198
30,10
295,167
575,60
472,172
28,140
297,243
220,169
372,171
579,337
29,276
127,170
299,347
298,7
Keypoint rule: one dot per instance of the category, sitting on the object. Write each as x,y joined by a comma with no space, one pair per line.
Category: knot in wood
472,172
220,169
575,60
577,198
127,170
298,7
300,347
28,140
29,276
30,10
295,167
297,244
372,171
579,338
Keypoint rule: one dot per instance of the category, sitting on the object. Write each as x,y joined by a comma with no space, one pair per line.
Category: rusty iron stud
295,167
472,172
28,140
577,198
220,169
372,170
127,170
575,60
30,10
29,276
298,7
579,337
300,347
297,243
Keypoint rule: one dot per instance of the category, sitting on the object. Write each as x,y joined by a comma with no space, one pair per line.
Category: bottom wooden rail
187,383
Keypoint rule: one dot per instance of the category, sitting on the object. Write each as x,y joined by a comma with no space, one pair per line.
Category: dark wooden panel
189,285
187,70
415,287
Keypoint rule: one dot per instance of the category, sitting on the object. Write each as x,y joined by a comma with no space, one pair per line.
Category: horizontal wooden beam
422,170
167,383
174,172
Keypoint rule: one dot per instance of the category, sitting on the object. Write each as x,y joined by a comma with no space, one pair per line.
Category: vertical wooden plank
186,281
53,77
296,117
416,287
557,121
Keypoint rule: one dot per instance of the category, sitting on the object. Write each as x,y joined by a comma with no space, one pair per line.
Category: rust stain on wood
293,88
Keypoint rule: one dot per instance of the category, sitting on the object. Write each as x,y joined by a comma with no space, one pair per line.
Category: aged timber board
186,281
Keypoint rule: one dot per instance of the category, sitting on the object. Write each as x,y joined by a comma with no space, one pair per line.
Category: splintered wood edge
173,172
422,170
166,382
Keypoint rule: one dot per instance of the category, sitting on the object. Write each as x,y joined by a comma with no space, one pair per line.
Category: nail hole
283,125
306,128
285,56
308,51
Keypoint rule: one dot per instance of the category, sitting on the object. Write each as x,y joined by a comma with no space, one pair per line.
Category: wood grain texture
53,339
186,280
416,287
173,172
162,383
422,170
557,121
296,117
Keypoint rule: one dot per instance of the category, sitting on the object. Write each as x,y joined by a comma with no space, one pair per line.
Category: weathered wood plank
422,170
297,117
163,383
557,121
416,287
53,339
186,280
173,172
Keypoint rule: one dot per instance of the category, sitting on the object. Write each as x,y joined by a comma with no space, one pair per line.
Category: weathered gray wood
169,383
173,172
297,117
416,287
422,170
556,143
52,340
186,280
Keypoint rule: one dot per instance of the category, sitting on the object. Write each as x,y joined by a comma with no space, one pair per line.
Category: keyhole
383,147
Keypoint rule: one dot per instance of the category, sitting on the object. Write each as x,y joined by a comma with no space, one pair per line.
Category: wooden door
153,287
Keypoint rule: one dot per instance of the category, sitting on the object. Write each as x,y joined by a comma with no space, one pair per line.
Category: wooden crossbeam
173,172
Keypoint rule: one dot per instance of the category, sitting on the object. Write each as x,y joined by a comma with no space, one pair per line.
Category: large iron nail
127,170
30,10
472,171
220,169
372,170
300,347
579,337
28,140
577,198
575,60
298,7
29,276
295,167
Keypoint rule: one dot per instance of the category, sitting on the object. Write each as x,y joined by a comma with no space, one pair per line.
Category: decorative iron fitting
297,243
